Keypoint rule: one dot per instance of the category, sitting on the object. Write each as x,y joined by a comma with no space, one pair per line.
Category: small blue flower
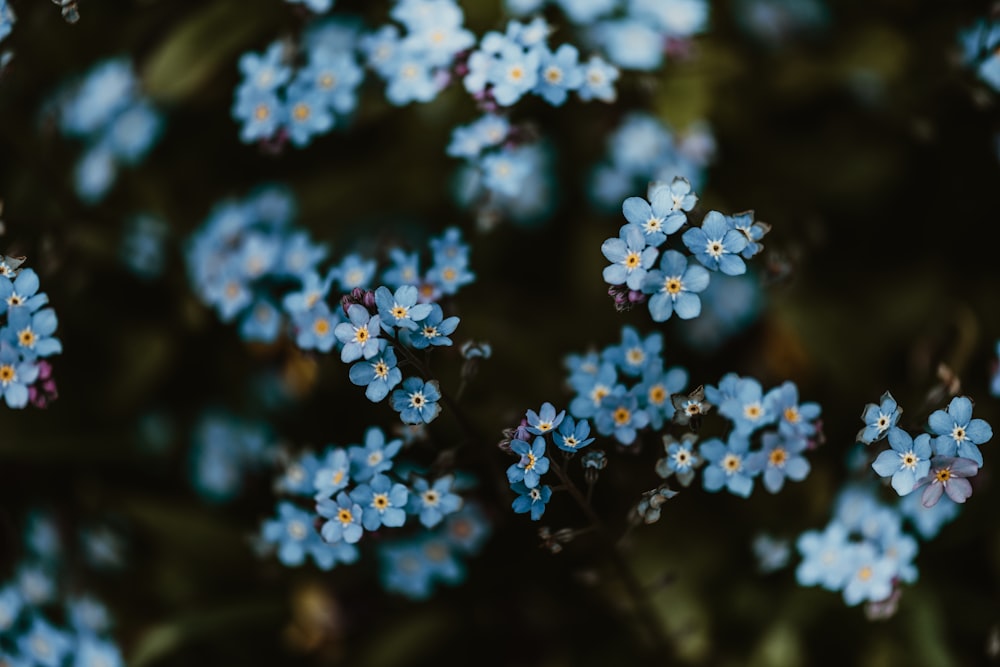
360,335
417,401
908,461
729,465
261,112
374,457
629,256
531,500
780,458
354,271
11,603
794,417
746,407
958,434
333,473
383,503
343,519
22,292
559,73
599,79
825,557
261,322
753,230
433,330
572,436
513,72
544,420
297,478
717,245
44,644
635,355
532,465
869,576
293,533
680,460
656,218
313,292
16,373
879,419
655,391
379,375
433,502
93,652
31,333
315,329
620,416
400,309
674,287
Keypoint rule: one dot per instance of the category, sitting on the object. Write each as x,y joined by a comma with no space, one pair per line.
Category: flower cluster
359,489
26,337
106,110
298,94
863,552
720,244
42,624
625,388
529,442
637,34
507,66
246,254
642,145
940,460
417,64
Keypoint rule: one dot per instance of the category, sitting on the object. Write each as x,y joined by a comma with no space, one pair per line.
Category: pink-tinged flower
948,475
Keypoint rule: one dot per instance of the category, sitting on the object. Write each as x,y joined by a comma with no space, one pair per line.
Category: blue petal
687,306
960,409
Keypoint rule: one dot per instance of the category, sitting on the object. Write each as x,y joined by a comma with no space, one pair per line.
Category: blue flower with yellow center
532,465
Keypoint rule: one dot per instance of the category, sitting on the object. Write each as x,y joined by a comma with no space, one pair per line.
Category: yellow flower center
632,260
777,457
657,394
553,75
26,337
449,274
598,393
622,415
7,373
344,516
321,326
731,463
399,312
430,332
910,459
327,81
865,573
515,73
958,433
752,411
361,334
531,460
672,285
942,475
300,111
792,415
430,497
380,501
262,112
417,400
381,369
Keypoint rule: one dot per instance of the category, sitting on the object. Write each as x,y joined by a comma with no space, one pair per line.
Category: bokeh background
853,128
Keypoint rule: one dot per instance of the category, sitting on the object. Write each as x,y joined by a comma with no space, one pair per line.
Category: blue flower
313,292
532,465
379,374
293,533
717,245
405,269
410,78
907,461
631,43
404,569
333,473
620,416
432,330
869,576
383,503
656,218
44,644
433,502
591,391
746,407
262,114
360,335
343,519
315,329
629,256
417,401
655,391
531,500
879,419
635,355
11,603
958,434
31,333
783,401
572,436
754,231
680,460
16,373
674,287
780,458
825,557
22,292
297,478
560,72
599,78
375,457
729,465
261,322
544,420
265,71
400,309
513,72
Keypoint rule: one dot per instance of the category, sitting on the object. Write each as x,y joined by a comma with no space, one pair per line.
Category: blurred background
860,131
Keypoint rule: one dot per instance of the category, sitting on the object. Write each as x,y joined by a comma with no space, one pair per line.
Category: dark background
864,142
